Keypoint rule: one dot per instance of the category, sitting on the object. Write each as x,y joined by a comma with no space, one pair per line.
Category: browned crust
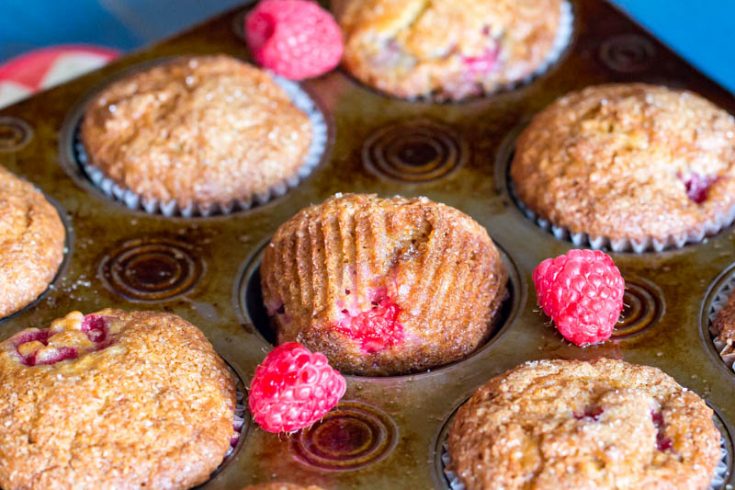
31,243
605,161
433,36
724,329
436,263
519,430
280,486
204,130
154,409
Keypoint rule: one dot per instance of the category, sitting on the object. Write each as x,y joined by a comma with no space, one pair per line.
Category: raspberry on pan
293,388
582,292
296,39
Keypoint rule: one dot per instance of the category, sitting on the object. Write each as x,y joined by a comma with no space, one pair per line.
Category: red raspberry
293,388
376,329
295,38
582,292
697,186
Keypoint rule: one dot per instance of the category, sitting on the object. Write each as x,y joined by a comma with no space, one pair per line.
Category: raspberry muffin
280,486
723,328
629,163
31,243
113,400
383,286
197,132
576,424
450,49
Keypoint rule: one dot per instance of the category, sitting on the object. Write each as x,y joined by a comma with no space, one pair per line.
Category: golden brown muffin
631,162
724,330
280,486
200,131
383,286
113,400
449,48
31,243
562,424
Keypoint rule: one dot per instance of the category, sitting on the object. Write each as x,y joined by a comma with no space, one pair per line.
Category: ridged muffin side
383,286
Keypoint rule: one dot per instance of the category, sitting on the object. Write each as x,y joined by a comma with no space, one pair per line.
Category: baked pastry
197,131
280,486
383,286
629,162
723,328
605,424
450,49
31,243
113,399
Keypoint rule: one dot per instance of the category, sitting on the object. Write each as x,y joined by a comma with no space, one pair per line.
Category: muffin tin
387,433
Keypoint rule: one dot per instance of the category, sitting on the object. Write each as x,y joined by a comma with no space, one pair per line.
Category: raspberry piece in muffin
383,286
582,292
113,400
640,165
294,38
576,424
449,49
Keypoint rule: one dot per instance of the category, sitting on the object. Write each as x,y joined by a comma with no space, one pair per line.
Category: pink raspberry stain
94,326
377,328
590,413
663,443
482,64
697,185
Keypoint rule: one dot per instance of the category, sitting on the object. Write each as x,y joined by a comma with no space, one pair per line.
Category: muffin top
628,161
447,48
196,130
575,424
383,285
113,400
31,243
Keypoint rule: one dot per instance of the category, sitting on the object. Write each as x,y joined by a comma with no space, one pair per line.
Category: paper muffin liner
238,421
722,296
113,190
648,244
718,480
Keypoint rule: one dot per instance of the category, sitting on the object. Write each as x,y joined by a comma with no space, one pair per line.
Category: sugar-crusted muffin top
576,424
628,161
448,48
724,327
204,130
31,243
113,400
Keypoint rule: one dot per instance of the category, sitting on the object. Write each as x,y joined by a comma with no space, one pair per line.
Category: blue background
702,31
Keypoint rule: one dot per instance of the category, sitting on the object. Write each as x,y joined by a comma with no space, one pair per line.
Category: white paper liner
320,136
622,244
718,480
722,296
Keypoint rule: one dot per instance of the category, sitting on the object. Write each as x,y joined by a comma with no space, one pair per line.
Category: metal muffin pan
386,433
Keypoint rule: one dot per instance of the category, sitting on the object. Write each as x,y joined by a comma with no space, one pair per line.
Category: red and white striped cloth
40,69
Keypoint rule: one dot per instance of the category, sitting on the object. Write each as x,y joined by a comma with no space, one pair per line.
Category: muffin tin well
385,433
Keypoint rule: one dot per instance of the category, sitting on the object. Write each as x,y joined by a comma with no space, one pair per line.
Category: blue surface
701,31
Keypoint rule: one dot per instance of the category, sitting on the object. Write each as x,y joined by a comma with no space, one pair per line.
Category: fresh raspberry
582,292
590,413
293,388
697,186
377,328
294,38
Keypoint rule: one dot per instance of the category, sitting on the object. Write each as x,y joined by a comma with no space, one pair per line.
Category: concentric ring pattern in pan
385,433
